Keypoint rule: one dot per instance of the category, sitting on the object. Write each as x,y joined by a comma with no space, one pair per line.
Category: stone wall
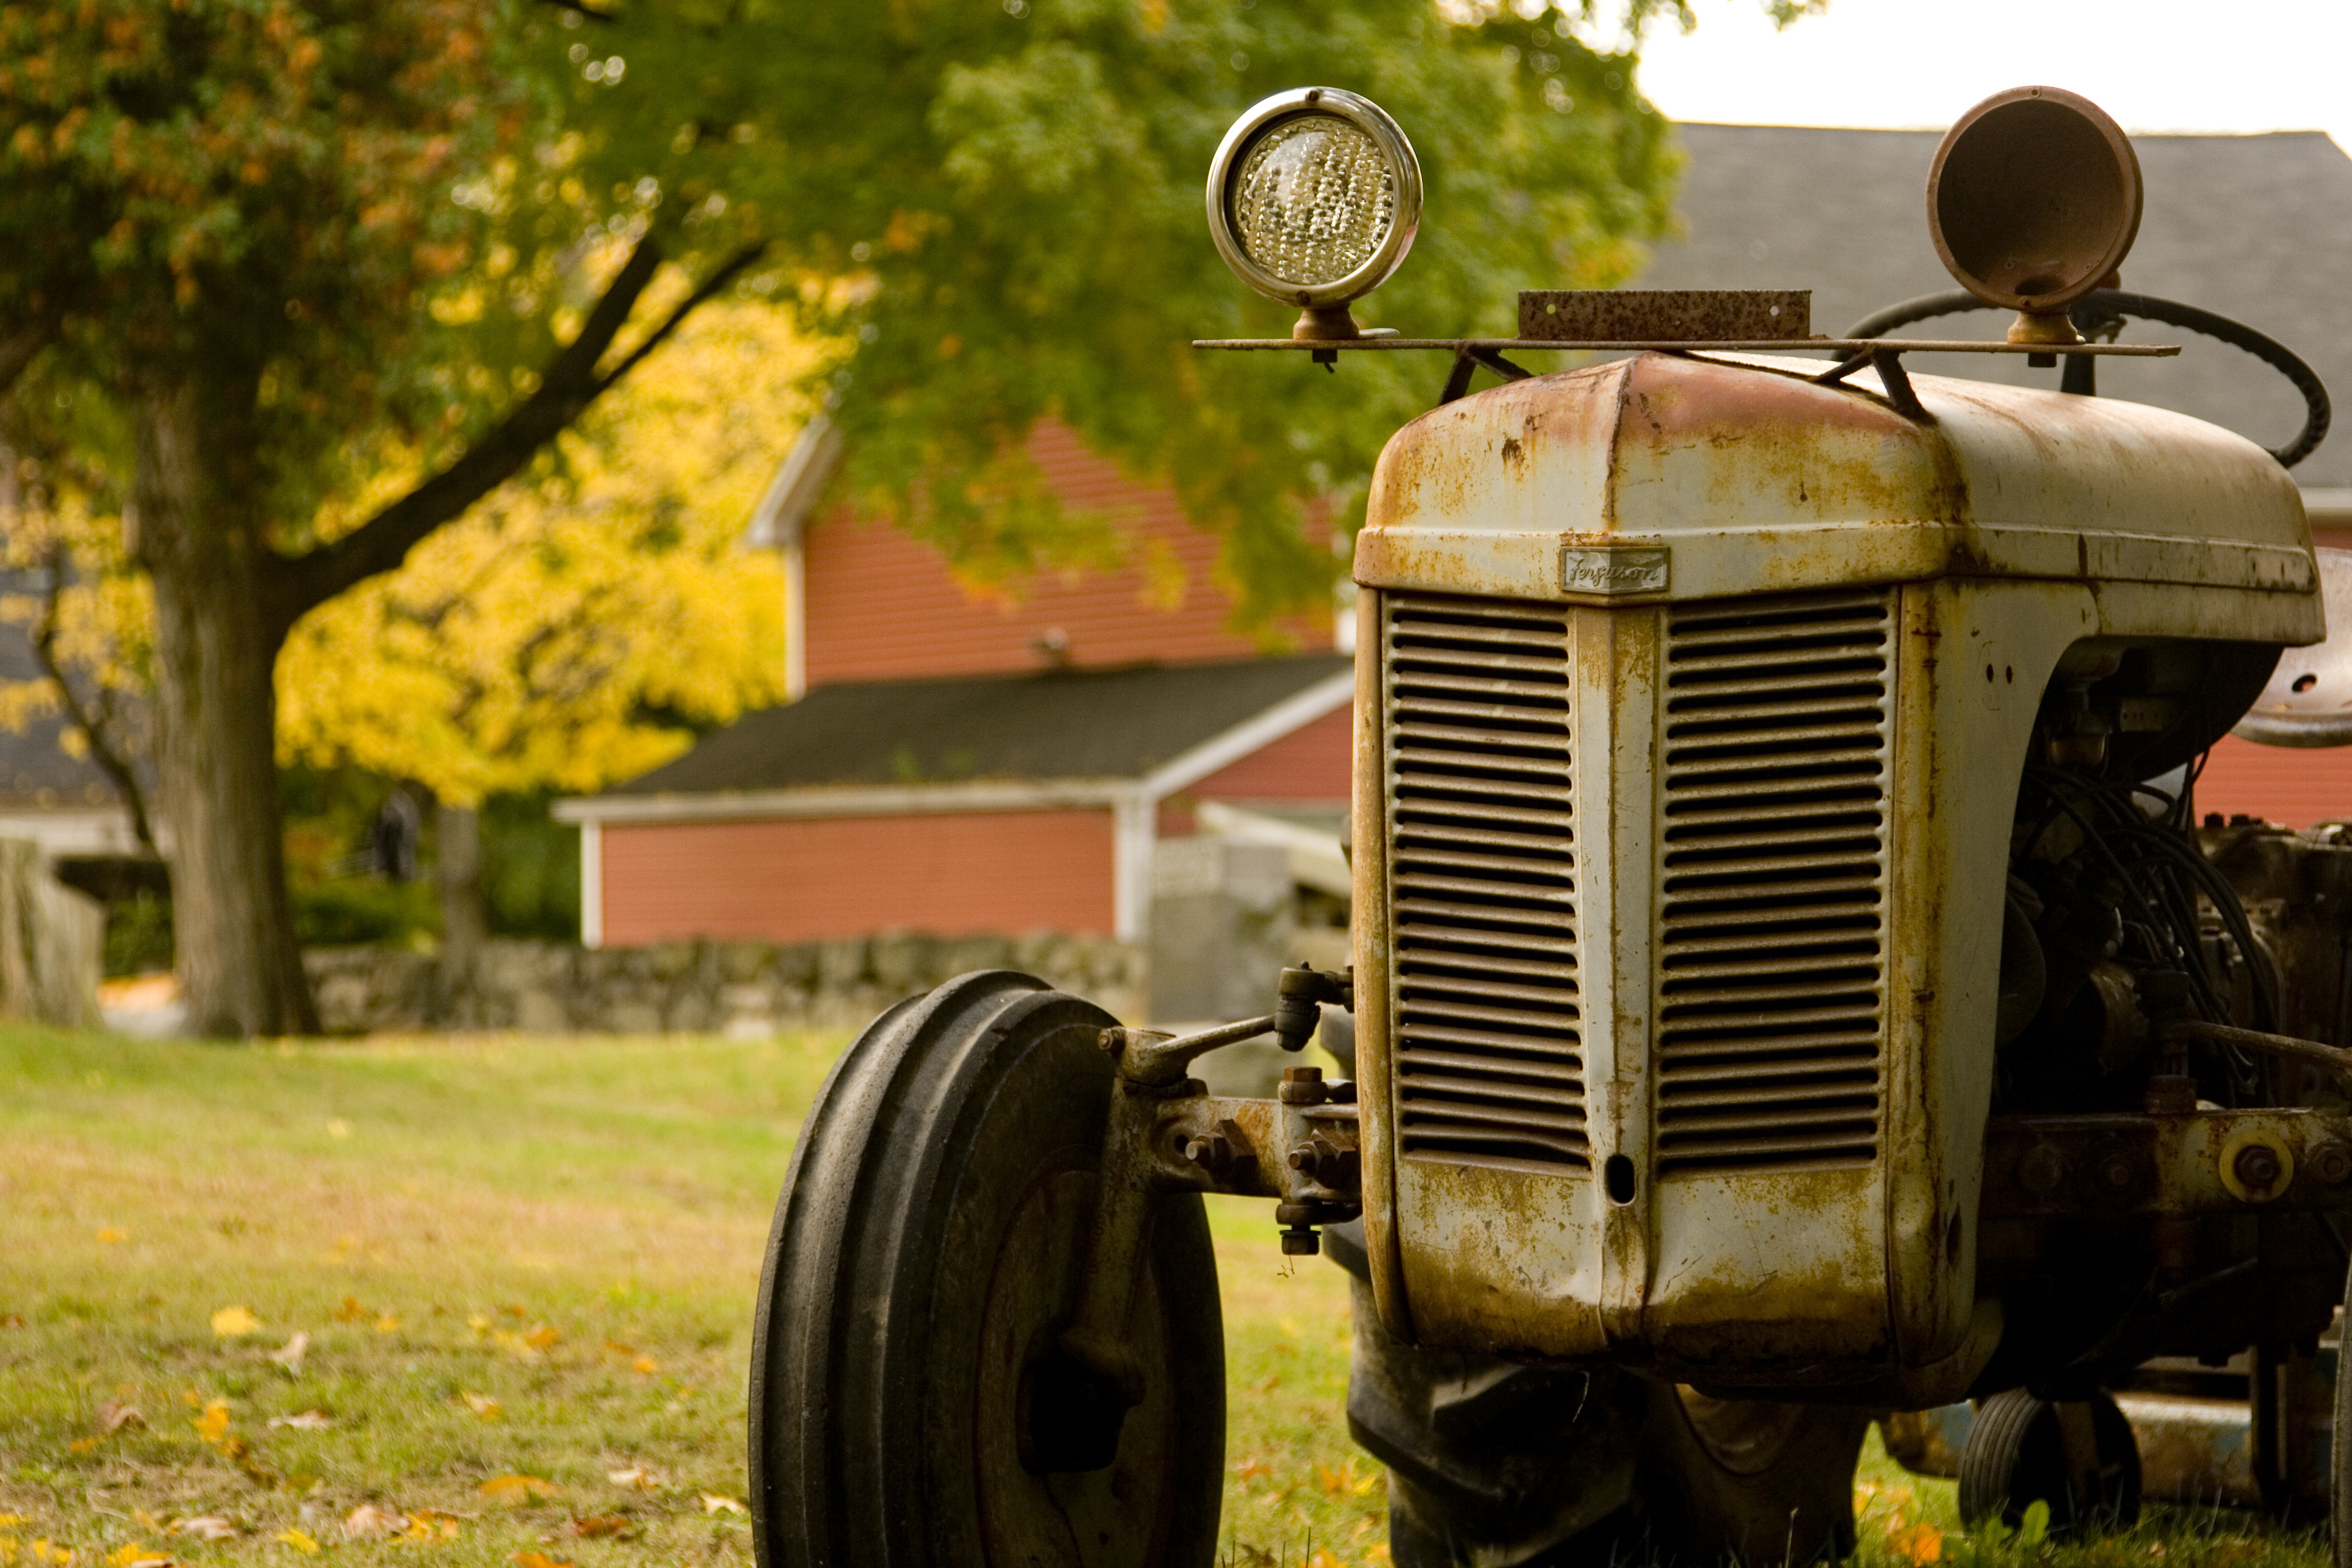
51,943
746,989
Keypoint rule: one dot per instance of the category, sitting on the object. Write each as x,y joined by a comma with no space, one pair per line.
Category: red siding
882,605
800,880
2278,784
1311,763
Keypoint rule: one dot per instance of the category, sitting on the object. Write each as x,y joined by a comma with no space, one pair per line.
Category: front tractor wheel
912,1402
1490,1462
2079,1459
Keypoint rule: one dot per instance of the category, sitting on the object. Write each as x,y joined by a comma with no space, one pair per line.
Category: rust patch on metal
1655,315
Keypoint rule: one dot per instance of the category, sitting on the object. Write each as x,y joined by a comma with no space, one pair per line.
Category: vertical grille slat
1488,1047
1774,888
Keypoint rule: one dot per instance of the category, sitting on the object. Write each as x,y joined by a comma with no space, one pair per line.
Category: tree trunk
457,870
216,711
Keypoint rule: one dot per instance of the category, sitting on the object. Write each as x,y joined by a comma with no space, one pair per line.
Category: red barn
964,764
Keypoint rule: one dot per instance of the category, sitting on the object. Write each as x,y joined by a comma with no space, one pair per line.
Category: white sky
2155,65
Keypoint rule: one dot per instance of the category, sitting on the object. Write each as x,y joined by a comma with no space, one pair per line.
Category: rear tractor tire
909,1404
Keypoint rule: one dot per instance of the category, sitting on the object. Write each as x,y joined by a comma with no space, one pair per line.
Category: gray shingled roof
1057,724
2256,228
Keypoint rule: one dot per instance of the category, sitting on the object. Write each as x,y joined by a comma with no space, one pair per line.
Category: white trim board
849,800
591,884
1252,734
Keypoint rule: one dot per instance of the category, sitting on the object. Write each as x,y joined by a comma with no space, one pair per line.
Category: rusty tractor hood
1668,476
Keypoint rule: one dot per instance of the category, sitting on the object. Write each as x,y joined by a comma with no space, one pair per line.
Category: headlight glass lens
1314,200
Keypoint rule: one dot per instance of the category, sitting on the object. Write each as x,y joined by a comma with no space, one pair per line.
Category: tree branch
20,348
102,751
570,384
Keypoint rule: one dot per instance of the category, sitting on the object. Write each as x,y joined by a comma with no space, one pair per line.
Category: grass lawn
519,1273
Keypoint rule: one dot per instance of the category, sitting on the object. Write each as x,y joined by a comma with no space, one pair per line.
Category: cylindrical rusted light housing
2032,202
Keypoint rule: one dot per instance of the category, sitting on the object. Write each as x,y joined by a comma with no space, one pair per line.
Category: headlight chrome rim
1386,135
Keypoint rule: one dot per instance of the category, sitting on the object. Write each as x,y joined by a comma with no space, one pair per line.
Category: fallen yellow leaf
646,1364
599,1524
351,1312
231,1322
81,1445
205,1527
713,1503
388,1324
1921,1546
299,1542
542,1338
8,1519
517,1490
131,1554
636,1477
213,1425
1324,1559
538,1560
368,1520
110,1234
481,1404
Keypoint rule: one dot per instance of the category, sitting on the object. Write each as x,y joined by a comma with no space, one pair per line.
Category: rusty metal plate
1689,315
1774,344
2308,703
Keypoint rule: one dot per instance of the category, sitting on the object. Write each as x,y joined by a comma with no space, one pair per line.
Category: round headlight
1314,197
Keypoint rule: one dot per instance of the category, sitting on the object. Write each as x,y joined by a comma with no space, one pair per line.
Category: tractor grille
1489,1064
1773,894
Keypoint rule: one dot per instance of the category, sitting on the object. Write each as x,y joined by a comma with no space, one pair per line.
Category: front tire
2017,1456
925,1254
1493,1463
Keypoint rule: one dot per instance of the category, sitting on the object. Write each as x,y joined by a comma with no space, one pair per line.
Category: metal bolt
2257,1166
1322,1160
1211,1153
2116,1171
1299,1236
2042,1169
1303,1086
2331,1163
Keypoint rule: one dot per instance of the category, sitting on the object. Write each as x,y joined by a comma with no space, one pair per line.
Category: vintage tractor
1792,984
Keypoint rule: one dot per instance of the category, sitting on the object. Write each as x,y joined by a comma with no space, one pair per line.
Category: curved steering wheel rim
2106,304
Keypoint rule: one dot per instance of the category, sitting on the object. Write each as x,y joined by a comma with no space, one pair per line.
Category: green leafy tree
304,279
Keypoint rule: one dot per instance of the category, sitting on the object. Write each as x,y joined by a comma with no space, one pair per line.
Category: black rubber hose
2106,304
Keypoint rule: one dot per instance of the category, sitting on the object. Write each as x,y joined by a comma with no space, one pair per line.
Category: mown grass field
518,1275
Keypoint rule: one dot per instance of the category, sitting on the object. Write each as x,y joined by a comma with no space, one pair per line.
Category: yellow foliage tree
565,631
574,628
